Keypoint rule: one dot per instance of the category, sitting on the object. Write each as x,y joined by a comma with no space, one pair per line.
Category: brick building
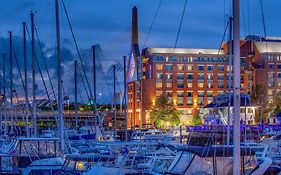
191,77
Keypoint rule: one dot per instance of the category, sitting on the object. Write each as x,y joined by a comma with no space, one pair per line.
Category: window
159,67
189,67
220,68
278,66
169,76
158,93
159,75
278,74
169,85
189,101
159,85
271,66
180,84
221,84
200,76
209,93
200,84
200,93
180,76
270,92
180,98
189,94
210,68
201,67
220,77
180,67
210,85
189,76
189,84
169,67
210,77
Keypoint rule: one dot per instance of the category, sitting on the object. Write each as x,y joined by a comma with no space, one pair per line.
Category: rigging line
79,72
79,55
263,23
48,95
152,24
243,17
18,67
248,16
263,20
44,61
224,33
179,29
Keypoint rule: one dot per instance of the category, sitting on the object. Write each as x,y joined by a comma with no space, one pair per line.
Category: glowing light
153,102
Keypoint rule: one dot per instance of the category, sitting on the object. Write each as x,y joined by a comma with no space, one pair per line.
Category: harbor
140,87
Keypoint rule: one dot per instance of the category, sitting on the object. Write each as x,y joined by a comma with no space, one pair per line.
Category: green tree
258,98
164,113
197,120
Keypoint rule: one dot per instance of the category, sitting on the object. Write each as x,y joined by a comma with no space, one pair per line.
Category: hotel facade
190,78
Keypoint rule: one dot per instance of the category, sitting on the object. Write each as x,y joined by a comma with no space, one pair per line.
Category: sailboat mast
34,103
25,78
95,86
60,104
236,95
125,100
230,52
4,94
114,99
11,83
75,95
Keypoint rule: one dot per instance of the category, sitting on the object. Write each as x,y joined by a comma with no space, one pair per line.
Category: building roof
268,46
185,51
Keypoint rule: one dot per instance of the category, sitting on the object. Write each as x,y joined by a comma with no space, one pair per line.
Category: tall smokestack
135,37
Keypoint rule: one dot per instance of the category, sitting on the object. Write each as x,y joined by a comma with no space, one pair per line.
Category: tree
196,120
258,98
164,113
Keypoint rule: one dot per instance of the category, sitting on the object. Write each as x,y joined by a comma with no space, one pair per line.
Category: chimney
135,38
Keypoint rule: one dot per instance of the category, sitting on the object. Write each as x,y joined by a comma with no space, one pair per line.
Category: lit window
270,92
169,76
169,85
209,76
189,67
159,67
159,75
189,85
200,84
159,85
158,93
210,85
180,67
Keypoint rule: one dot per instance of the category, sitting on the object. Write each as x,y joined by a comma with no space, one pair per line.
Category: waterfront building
190,78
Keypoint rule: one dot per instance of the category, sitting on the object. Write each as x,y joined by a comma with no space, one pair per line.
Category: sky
108,24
